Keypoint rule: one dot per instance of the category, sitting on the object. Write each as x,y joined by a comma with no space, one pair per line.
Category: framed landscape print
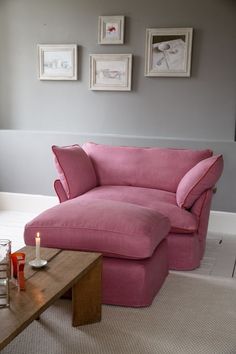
57,62
168,51
110,72
111,29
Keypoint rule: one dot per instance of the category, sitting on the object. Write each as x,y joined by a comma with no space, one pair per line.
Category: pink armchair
144,208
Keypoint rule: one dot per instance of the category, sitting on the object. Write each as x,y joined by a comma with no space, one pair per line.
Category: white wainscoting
26,202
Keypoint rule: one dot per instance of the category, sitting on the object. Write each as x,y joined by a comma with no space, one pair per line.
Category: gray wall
189,112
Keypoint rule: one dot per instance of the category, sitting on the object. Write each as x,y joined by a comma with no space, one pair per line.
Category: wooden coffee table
80,271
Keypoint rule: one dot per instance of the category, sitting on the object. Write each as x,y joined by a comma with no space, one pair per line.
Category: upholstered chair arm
60,191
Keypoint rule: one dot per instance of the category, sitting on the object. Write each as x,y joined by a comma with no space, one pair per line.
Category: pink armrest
60,191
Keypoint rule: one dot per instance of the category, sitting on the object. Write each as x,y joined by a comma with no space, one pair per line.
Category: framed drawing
111,29
57,62
110,72
168,51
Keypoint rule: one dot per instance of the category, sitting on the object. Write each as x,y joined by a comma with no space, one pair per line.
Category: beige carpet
191,314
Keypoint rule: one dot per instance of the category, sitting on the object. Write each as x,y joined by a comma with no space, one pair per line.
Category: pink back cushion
75,170
201,177
159,168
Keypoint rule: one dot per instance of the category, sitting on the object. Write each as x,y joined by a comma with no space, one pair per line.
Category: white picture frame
110,72
111,29
168,52
57,61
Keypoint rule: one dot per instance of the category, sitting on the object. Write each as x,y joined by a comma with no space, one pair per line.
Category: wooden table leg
86,297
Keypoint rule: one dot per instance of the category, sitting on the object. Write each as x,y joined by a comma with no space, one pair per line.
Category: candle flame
38,235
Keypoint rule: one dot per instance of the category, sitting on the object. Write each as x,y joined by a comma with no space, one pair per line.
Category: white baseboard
220,221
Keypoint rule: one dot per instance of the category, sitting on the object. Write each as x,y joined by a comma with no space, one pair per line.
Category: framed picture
57,62
111,29
168,51
110,72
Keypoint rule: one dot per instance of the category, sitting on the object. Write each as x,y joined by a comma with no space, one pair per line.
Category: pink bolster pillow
197,180
75,170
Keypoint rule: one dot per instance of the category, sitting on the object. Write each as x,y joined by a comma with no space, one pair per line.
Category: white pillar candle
37,246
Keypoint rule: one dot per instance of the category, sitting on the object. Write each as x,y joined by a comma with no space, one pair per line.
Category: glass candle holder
18,264
5,272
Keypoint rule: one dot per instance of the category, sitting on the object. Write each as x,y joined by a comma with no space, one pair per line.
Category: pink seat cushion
201,177
181,220
75,170
142,167
114,228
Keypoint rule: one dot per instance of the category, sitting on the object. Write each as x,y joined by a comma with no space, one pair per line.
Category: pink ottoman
131,238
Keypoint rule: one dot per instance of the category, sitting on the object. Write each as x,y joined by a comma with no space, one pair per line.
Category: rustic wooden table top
43,287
